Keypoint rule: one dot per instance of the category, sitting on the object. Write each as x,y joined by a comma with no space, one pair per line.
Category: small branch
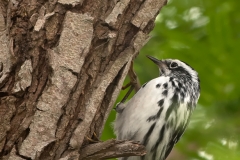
112,149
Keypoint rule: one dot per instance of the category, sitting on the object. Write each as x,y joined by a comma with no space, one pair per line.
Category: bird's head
178,70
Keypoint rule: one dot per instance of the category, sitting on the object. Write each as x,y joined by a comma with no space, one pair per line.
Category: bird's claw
95,137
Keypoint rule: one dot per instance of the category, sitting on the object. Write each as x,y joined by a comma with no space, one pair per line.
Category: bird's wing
143,108
175,137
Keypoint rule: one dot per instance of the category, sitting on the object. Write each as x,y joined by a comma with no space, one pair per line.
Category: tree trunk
62,66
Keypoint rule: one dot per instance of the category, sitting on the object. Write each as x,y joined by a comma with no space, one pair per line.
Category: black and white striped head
181,72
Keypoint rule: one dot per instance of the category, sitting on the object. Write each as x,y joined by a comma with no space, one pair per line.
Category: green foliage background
206,35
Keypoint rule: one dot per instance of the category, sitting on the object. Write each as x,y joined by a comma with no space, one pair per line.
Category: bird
158,114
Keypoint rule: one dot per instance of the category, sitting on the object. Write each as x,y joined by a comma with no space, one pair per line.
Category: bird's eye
173,65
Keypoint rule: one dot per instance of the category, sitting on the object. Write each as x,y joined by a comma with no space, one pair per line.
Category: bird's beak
162,66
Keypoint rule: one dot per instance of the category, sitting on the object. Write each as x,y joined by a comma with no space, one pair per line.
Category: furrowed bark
62,66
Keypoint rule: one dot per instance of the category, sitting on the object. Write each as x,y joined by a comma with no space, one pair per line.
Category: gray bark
62,66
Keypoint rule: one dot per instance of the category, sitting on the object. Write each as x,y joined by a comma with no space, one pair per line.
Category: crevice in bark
104,109
26,108
4,94
45,154
19,143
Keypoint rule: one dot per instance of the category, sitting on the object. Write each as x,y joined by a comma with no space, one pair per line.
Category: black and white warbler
158,114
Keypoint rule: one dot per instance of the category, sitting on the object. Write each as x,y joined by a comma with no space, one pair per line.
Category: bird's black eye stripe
173,65
183,71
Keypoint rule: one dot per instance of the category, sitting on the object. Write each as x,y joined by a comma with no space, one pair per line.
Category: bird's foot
133,84
133,79
94,138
